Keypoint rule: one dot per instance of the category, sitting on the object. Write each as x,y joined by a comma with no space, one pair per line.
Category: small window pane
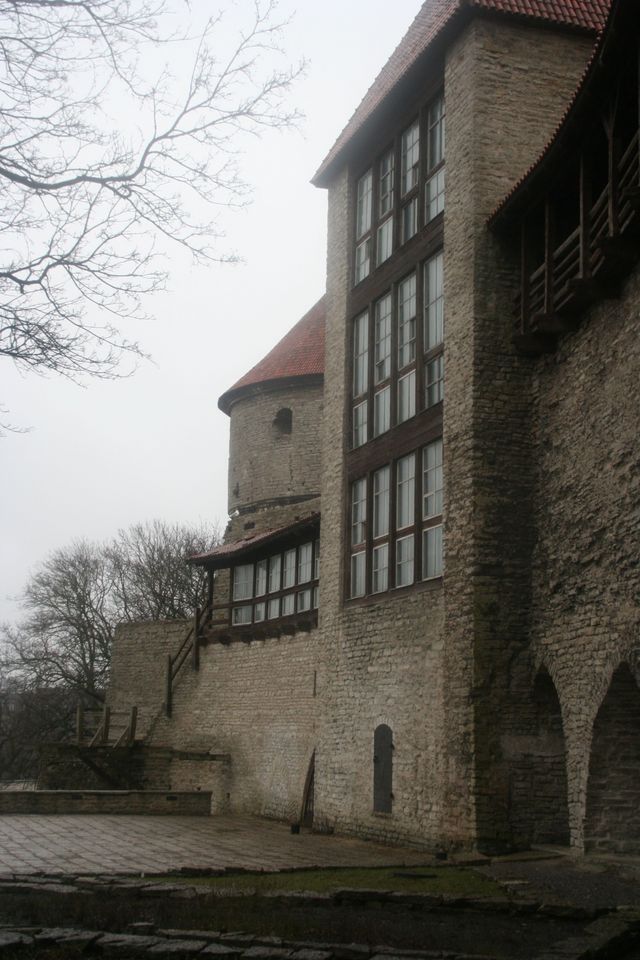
432,552
303,600
410,159
360,354
434,381
315,598
405,491
409,220
358,567
404,561
305,555
242,614
360,424
364,196
436,133
380,569
243,582
386,184
358,511
381,411
316,560
289,569
363,259
407,321
407,397
433,302
288,605
383,339
274,574
273,609
259,611
384,241
261,578
381,484
434,195
432,480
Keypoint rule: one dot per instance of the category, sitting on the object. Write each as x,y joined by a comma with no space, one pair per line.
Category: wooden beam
133,722
196,641
525,274
613,153
79,724
106,722
168,704
585,216
549,233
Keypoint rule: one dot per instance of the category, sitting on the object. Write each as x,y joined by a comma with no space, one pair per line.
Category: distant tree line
59,653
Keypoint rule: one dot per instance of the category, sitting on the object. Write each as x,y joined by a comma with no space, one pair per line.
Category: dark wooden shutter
382,769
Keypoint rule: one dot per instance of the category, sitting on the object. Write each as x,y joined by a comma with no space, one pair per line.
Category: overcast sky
155,445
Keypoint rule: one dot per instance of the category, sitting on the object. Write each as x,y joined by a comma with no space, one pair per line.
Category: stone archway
539,809
612,821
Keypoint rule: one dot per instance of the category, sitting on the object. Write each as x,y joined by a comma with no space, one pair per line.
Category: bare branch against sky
104,158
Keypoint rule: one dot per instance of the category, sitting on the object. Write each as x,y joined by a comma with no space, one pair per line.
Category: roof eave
230,397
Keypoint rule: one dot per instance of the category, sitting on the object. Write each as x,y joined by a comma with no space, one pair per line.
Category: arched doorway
539,809
612,821
382,769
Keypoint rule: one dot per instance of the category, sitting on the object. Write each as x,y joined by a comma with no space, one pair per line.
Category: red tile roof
300,353
433,17
224,554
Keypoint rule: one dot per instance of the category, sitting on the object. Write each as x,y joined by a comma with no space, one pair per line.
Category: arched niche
612,821
382,769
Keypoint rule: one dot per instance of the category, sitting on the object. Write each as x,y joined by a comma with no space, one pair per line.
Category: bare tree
86,200
77,597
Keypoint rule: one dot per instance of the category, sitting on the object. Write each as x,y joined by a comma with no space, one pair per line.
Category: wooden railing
105,727
189,649
563,282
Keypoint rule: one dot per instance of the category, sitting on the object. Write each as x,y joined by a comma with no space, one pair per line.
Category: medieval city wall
506,87
243,726
266,463
586,575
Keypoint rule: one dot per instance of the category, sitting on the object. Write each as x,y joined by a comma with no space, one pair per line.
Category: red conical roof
300,353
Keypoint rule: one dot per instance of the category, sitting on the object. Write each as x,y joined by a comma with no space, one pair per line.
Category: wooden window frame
282,591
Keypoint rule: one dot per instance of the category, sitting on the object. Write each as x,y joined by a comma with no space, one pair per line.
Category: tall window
395,339
396,547
392,206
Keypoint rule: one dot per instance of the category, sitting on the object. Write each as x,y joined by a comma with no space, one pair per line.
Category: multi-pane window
391,208
410,158
271,583
395,546
392,331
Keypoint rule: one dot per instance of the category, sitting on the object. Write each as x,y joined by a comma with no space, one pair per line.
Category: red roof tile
431,20
226,552
300,353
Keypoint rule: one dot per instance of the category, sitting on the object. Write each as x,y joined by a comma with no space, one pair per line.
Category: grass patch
454,881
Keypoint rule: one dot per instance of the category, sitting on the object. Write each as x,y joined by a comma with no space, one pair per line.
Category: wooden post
169,686
79,724
525,277
613,156
585,217
548,256
133,721
209,588
106,720
196,640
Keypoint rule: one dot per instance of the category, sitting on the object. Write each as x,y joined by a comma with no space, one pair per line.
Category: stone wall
127,802
244,725
434,664
586,577
266,464
506,88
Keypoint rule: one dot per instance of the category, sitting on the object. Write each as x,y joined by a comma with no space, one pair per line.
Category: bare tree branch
84,197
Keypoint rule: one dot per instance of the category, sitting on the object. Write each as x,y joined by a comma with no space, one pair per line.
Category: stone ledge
128,802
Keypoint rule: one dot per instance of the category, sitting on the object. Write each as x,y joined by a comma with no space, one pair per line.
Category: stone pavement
33,843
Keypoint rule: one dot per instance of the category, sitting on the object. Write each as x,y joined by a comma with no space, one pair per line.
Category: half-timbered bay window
396,523
390,384
390,210
281,585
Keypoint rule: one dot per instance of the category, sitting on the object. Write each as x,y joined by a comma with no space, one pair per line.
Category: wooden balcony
588,265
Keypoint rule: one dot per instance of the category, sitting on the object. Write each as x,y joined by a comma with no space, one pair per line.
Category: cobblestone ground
136,844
